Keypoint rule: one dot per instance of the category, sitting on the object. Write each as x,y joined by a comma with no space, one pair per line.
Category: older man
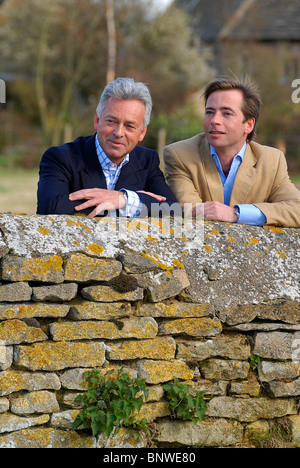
223,172
107,171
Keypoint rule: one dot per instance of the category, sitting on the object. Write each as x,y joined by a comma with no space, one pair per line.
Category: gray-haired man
106,171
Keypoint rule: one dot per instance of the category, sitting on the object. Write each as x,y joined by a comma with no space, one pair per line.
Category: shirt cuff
250,214
133,206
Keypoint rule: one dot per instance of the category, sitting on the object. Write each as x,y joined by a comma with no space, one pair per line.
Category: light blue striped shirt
249,214
112,172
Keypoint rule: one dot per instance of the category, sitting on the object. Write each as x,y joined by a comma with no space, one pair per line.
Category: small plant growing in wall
112,402
254,362
183,404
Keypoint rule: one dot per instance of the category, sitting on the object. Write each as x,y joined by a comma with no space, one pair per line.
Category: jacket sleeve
178,175
282,208
54,184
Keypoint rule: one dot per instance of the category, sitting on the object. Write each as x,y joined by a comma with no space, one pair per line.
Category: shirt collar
104,159
241,153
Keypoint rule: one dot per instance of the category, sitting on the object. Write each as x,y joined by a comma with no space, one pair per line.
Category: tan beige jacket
262,179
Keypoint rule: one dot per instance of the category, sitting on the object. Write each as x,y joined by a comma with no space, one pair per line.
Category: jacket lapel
245,178
92,175
213,181
132,175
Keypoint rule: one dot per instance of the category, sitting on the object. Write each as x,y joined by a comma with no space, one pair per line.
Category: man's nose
119,130
215,120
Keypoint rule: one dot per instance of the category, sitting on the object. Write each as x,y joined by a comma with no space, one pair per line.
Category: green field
18,190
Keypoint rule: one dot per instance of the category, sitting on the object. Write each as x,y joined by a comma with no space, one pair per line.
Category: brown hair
252,100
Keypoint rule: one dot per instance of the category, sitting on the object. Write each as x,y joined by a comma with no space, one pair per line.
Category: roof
267,20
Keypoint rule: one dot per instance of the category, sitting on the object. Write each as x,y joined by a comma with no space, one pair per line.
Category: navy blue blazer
75,166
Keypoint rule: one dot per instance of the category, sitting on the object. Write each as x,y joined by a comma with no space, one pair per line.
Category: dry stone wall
215,305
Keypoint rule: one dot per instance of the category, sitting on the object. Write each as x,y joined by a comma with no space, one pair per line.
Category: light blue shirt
112,172
249,214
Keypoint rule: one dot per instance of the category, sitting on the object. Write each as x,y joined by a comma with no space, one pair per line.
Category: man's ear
250,124
96,121
143,134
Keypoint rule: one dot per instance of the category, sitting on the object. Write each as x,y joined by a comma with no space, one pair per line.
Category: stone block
278,370
202,327
82,269
56,356
6,356
17,331
284,389
250,410
87,310
218,433
44,269
15,292
102,293
174,310
55,293
15,381
46,438
28,310
132,328
295,424
233,346
275,345
224,369
64,419
167,284
10,422
34,402
134,263
158,348
4,405
163,371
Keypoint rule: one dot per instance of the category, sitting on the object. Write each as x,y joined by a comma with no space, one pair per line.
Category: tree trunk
112,41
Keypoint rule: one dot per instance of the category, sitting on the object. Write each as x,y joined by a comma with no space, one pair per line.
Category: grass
18,189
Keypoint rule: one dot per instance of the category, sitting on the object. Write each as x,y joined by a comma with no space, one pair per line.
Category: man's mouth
214,132
116,142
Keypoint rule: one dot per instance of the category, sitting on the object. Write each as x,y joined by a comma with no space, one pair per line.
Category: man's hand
217,211
102,199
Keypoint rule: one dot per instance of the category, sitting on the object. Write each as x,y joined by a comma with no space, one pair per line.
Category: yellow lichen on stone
282,254
178,264
192,326
82,268
46,438
275,229
208,248
44,231
163,371
161,266
48,269
96,249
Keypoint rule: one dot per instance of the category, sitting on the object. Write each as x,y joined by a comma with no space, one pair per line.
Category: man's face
224,123
120,127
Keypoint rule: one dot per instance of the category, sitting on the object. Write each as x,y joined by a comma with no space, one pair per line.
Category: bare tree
112,41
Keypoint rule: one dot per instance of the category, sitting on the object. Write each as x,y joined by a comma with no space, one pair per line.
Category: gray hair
127,88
